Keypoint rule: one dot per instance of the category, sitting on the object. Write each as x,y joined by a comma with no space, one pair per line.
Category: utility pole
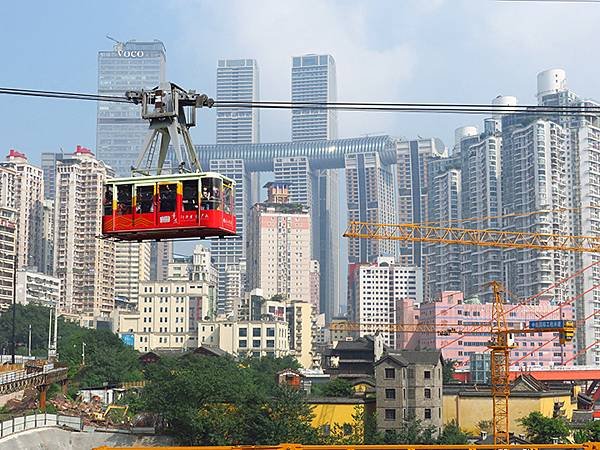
50,335
29,342
14,305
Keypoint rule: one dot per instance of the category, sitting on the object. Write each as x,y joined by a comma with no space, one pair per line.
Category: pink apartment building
533,349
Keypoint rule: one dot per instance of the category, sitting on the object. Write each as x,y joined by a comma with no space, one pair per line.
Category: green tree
452,435
107,358
337,387
448,371
589,433
217,401
542,430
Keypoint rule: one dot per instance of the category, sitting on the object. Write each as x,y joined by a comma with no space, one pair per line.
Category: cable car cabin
192,205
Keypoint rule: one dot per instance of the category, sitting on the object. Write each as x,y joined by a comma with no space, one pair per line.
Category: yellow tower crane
501,343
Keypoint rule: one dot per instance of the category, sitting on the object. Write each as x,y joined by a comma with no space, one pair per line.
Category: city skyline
374,62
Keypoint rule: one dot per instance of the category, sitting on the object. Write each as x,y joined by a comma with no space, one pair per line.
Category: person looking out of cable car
124,199
190,195
108,200
168,197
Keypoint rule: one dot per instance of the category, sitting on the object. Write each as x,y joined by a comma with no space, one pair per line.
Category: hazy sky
397,50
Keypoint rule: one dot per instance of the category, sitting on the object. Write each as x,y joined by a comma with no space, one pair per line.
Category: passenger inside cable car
124,199
190,195
144,199
167,197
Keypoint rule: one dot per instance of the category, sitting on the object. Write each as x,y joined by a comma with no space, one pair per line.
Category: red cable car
187,204
192,205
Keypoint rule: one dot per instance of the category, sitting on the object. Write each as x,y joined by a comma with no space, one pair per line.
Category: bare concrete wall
57,439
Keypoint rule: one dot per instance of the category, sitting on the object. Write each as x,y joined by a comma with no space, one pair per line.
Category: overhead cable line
440,108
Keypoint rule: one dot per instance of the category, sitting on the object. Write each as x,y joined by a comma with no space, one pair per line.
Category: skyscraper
130,65
83,263
314,81
237,81
29,195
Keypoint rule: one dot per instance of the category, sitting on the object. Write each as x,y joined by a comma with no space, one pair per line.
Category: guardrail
22,423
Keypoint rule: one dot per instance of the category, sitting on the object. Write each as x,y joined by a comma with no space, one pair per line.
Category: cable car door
169,196
145,206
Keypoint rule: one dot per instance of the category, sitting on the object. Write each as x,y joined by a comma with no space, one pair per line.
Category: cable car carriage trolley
185,204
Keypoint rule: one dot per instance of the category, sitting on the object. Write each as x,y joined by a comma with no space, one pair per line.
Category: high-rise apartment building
130,65
444,261
377,291
280,246
238,81
534,178
29,195
370,198
132,266
581,150
84,264
8,235
412,177
313,81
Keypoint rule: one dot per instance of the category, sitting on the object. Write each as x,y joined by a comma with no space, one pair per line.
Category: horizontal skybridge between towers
326,154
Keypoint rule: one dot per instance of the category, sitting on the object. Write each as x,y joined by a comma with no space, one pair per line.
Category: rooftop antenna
119,45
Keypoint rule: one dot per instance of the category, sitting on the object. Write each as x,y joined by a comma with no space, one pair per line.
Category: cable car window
190,195
168,197
108,200
227,198
211,193
124,199
144,199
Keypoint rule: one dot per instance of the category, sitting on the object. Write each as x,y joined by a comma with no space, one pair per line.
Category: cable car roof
167,177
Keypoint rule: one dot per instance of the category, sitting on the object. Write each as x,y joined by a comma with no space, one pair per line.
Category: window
167,197
211,193
190,195
243,332
390,373
427,413
228,198
108,200
427,375
390,414
427,393
124,199
243,343
256,343
256,332
144,199
270,343
390,394
270,332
